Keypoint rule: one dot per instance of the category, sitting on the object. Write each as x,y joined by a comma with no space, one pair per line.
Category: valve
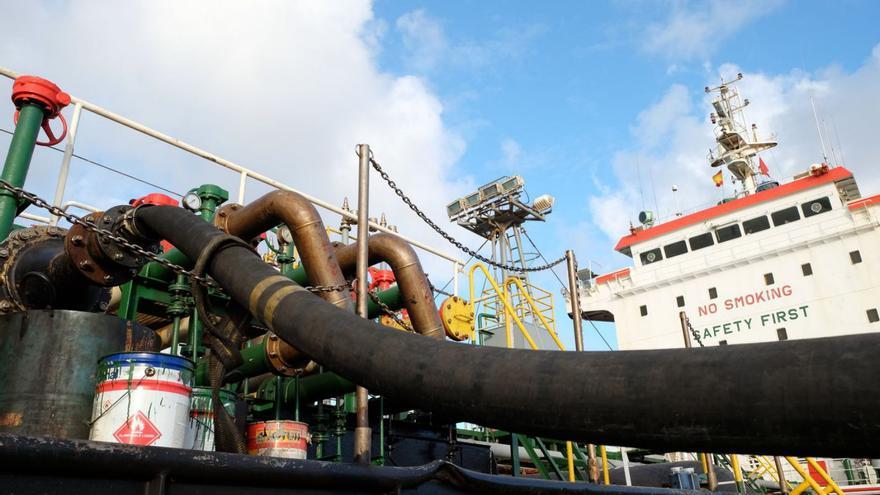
48,96
380,278
157,199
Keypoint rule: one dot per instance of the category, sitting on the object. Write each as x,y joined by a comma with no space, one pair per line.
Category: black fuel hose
800,397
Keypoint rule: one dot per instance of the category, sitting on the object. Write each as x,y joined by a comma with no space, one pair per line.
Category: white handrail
245,172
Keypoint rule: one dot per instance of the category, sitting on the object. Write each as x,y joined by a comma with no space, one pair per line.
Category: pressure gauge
192,201
283,233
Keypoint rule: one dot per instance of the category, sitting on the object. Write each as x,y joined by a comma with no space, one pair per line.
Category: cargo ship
779,260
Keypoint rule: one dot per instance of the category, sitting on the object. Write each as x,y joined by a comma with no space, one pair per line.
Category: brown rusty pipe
306,227
415,290
311,241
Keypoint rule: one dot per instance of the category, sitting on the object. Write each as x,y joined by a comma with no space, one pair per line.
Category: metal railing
79,105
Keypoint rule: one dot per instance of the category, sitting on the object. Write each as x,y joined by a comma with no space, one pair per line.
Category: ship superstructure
778,261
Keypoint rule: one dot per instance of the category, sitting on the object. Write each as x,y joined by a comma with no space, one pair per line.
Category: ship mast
736,147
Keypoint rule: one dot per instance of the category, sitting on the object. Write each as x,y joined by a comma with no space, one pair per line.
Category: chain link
134,248
388,311
452,240
439,291
695,333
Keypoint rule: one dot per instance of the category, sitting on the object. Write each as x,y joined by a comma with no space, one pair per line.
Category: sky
600,104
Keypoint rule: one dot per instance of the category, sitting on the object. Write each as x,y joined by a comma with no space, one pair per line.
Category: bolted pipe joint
102,260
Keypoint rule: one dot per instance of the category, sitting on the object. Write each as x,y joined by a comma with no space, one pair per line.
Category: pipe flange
458,318
11,250
98,258
221,217
275,357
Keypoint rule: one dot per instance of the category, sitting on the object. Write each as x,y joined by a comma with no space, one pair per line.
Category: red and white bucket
200,434
142,398
288,439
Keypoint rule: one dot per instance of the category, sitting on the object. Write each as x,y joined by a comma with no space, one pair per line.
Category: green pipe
550,459
160,272
256,362
277,399
18,160
255,357
314,388
195,326
514,455
296,398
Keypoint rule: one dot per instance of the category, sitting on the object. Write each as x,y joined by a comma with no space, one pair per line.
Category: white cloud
428,47
285,88
673,135
510,152
696,29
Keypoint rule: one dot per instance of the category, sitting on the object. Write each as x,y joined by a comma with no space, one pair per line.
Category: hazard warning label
138,430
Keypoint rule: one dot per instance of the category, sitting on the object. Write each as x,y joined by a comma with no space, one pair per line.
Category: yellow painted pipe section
516,281
705,463
605,476
569,454
825,476
502,295
737,472
808,480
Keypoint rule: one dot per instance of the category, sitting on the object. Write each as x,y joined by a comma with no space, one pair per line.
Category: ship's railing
80,105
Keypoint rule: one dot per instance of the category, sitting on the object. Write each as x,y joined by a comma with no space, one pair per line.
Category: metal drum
142,398
200,431
288,439
47,365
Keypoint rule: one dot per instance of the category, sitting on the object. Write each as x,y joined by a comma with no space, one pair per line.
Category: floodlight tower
497,213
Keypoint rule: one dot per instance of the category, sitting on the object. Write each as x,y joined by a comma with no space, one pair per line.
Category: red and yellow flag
718,178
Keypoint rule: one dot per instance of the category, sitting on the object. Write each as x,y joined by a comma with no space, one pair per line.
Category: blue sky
553,93
597,103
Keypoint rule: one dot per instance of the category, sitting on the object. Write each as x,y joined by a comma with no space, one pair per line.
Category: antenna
639,175
837,138
818,129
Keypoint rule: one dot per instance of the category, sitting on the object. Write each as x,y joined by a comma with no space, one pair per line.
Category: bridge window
781,334
785,216
855,257
675,249
873,317
643,310
807,269
701,241
651,256
756,224
816,206
722,342
768,279
725,234
713,293
679,301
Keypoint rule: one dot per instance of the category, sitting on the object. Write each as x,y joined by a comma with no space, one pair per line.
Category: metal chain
447,236
134,248
388,311
439,291
695,333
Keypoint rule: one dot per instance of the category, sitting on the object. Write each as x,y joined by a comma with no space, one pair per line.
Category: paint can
200,430
142,398
288,439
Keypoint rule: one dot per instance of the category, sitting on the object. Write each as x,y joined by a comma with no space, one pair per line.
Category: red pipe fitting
381,278
158,199
39,91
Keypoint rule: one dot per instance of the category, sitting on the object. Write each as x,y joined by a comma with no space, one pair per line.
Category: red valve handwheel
48,130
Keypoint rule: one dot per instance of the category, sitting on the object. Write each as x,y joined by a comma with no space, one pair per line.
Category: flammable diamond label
138,430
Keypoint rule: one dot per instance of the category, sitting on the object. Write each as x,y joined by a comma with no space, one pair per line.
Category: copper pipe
306,227
309,237
418,297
